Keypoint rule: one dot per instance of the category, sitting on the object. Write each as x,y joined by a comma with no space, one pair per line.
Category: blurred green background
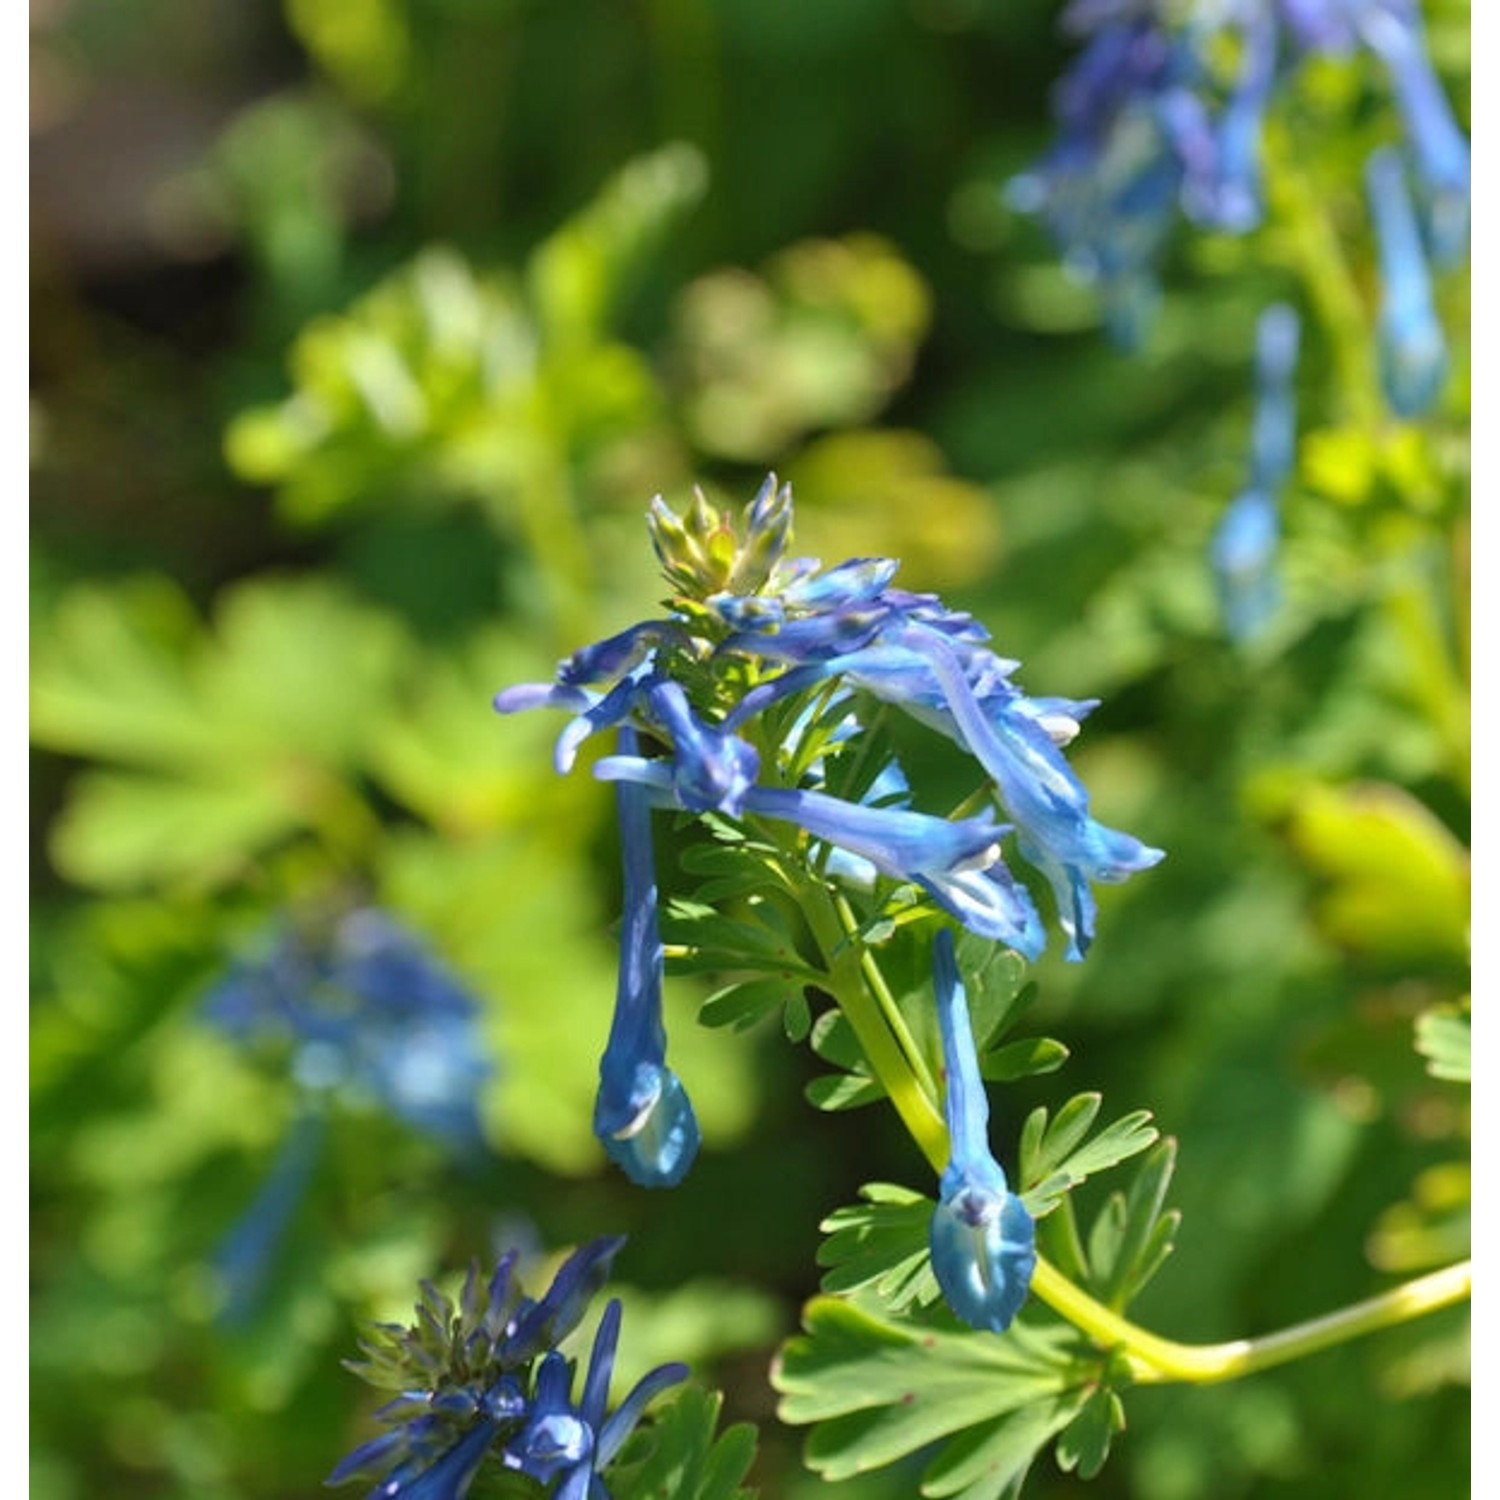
362,333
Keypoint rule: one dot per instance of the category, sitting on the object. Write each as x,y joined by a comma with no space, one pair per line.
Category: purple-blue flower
1152,126
642,1114
705,690
358,1011
982,1239
368,1014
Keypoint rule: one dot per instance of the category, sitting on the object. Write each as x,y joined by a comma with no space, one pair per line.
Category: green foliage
877,1385
876,1391
682,1456
1057,1156
1443,1038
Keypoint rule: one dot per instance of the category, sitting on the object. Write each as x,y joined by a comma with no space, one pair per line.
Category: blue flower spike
982,1239
748,629
642,1114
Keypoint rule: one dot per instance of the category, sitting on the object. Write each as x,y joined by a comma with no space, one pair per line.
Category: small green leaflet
1443,1038
677,1456
1055,1158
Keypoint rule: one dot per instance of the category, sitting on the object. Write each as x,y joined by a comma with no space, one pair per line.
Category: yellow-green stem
1152,1359
849,982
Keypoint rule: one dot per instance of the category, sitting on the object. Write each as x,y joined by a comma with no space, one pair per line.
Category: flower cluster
358,1011
483,1381
749,629
1243,550
1150,124
368,1015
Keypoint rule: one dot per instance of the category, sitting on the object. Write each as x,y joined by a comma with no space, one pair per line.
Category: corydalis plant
753,704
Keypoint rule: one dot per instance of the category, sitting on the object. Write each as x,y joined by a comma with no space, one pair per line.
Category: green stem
853,972
889,1010
848,979
1317,254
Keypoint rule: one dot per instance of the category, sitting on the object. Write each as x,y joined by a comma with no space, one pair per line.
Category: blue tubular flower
535,1326
1146,125
1039,790
982,1239
642,1114
1132,131
1229,197
1394,33
576,1444
1244,546
1413,354
712,770
957,863
1243,555
836,635
1273,440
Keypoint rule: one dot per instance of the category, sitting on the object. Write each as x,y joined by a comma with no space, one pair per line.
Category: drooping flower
483,1381
642,1114
982,1239
1413,352
1244,546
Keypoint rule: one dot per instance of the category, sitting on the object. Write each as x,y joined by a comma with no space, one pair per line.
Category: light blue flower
1147,129
1243,555
1413,352
1244,547
642,1114
367,1014
1393,30
982,1239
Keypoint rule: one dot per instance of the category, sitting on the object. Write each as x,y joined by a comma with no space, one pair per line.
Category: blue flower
642,1114
1244,546
576,1443
483,1379
982,1239
1393,30
1413,353
1243,554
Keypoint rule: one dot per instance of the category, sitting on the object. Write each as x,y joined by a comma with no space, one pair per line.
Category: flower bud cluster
483,1381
